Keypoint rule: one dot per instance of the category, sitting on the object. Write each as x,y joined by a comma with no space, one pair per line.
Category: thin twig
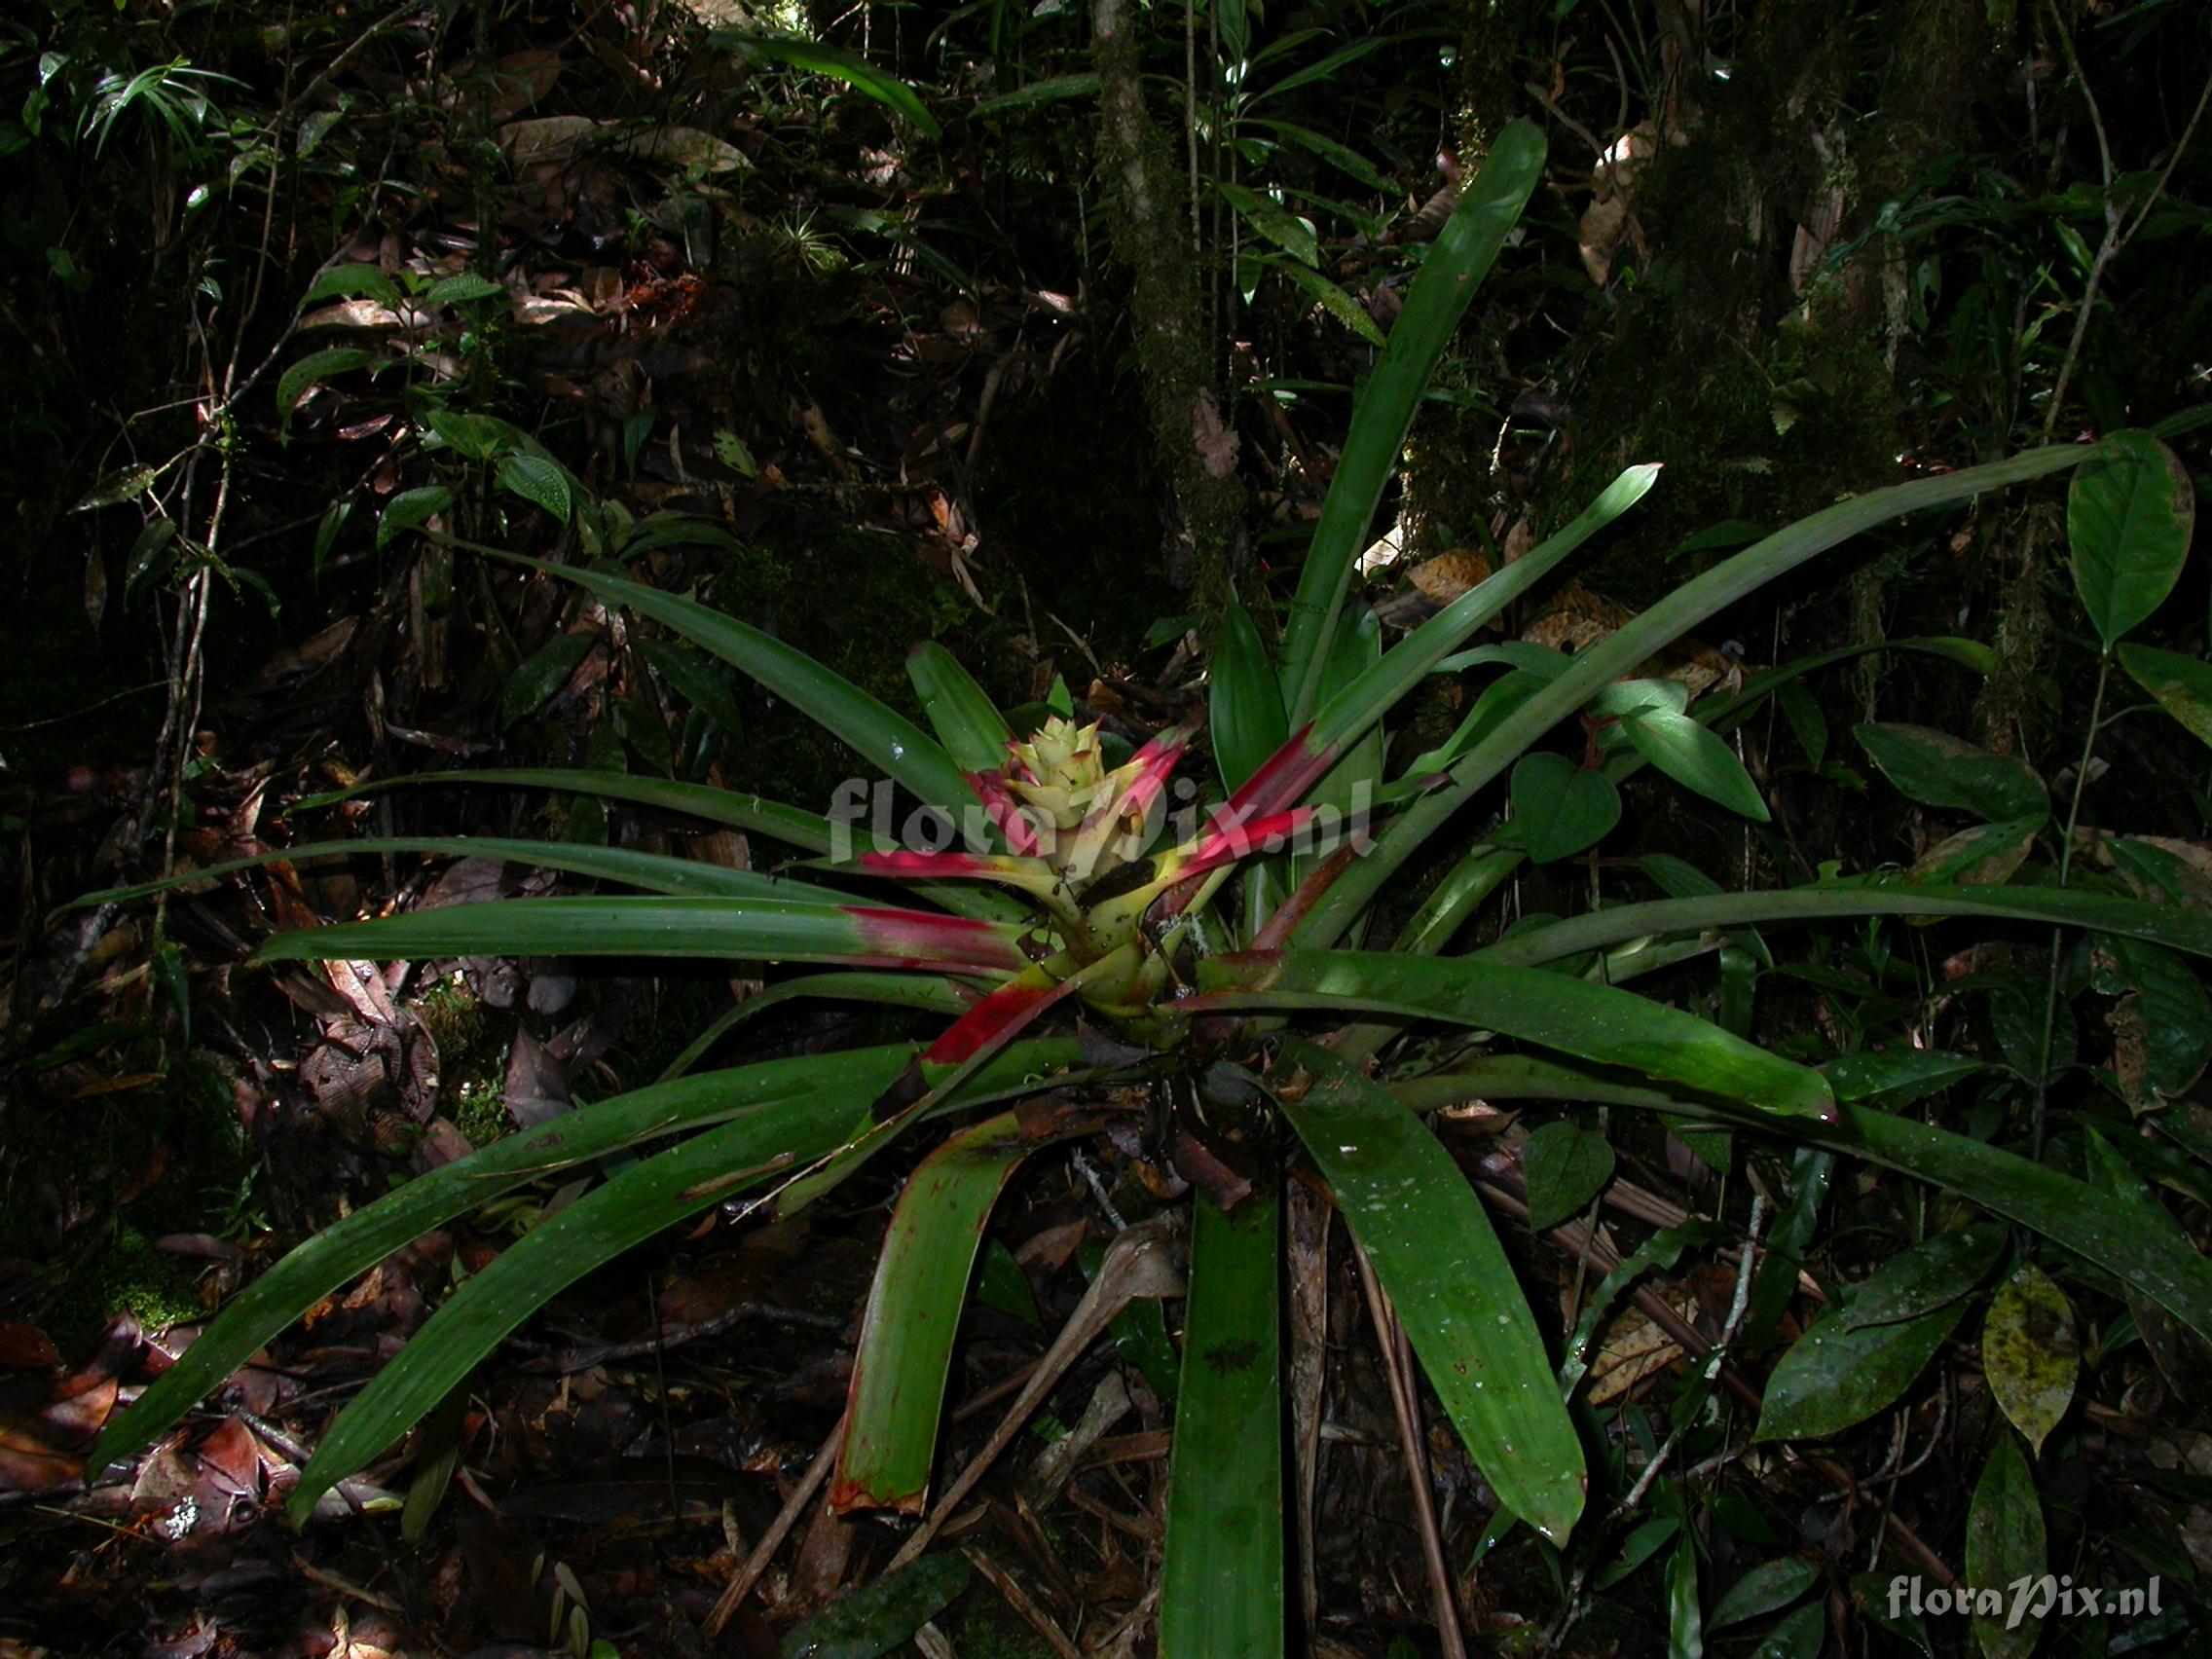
773,1538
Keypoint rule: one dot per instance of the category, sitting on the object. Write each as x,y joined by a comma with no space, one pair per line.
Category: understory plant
1248,964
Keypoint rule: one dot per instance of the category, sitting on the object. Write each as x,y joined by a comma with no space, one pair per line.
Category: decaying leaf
2030,1353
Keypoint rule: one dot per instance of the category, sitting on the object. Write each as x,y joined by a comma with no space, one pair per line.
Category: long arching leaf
779,1137
1463,255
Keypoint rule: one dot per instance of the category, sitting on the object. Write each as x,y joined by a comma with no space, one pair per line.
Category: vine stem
2065,863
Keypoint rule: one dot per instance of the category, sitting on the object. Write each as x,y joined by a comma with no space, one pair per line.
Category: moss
471,1057
983,1627
856,601
130,1277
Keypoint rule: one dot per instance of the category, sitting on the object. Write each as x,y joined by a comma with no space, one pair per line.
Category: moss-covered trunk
1190,428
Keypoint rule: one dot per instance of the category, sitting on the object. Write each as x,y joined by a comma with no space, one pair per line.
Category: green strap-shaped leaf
2128,518
1463,255
655,872
1590,1022
1343,716
884,989
887,739
1221,1585
964,719
747,929
756,815
1621,654
2168,925
920,1290
1433,1251
1245,711
349,1248
779,1138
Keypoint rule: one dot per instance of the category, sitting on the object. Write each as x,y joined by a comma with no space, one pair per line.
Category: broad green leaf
1592,1022
538,681
540,481
1623,650
646,1198
2128,518
2005,1546
2030,1353
473,437
1802,710
964,719
855,71
411,509
743,929
2182,685
351,1246
1690,755
1767,1588
883,1615
1930,1275
311,371
1272,220
1833,1376
1986,855
464,289
1433,1251
894,744
1561,809
1937,769
904,1353
1565,1167
1456,265
1245,699
1345,159
1222,1570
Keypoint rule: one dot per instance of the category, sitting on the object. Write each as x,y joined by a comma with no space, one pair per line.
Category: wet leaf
411,509
1835,1376
542,482
2005,1544
538,681
881,1615
1566,1166
1560,808
126,483
2030,1353
2128,516
1937,769
1928,1276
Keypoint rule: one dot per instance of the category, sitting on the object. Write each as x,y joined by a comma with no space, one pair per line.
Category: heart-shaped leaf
1562,808
2128,516
1565,1167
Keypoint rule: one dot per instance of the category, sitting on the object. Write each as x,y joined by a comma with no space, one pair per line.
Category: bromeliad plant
1247,990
